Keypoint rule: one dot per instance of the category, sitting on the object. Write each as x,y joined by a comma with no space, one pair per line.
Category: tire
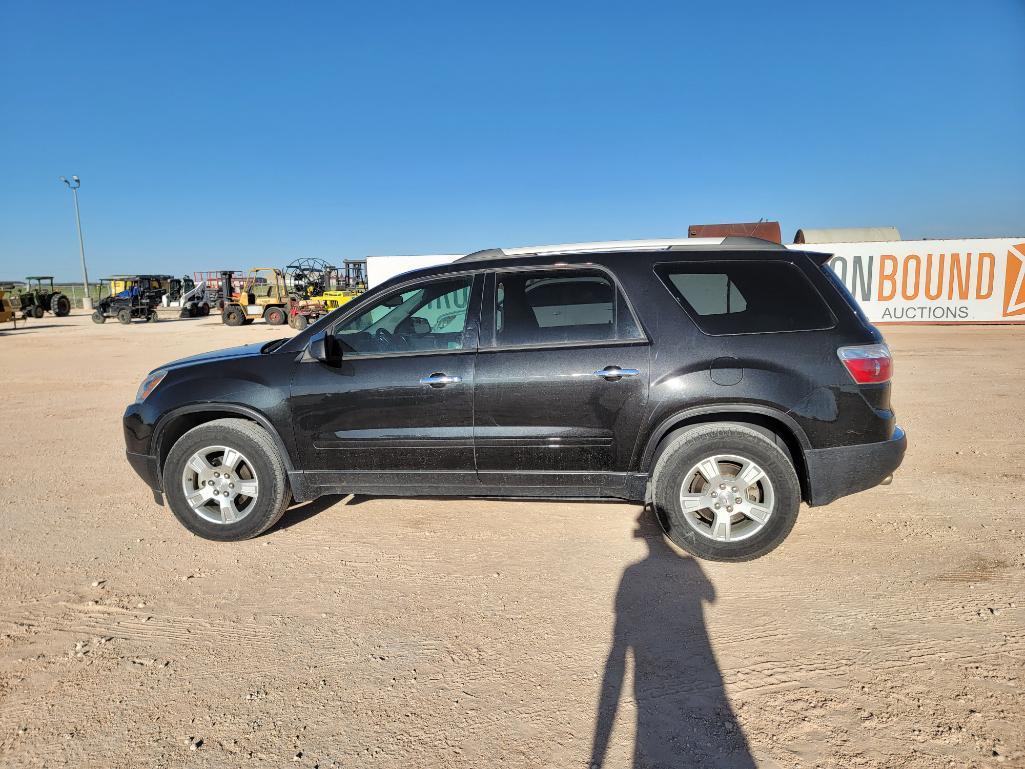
98,317
153,317
233,316
299,322
37,311
124,315
204,310
60,305
725,536
258,455
275,316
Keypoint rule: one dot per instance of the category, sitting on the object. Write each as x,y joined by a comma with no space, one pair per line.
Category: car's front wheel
225,480
725,492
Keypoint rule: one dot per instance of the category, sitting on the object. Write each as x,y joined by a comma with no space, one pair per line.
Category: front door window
426,317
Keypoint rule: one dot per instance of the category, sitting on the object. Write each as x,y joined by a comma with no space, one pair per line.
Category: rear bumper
837,472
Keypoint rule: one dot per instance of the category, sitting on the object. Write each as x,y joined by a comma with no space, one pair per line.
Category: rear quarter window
746,297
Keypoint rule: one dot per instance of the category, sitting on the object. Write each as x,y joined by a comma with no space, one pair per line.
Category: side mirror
325,348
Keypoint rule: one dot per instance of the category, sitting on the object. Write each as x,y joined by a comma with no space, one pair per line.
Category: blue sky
221,134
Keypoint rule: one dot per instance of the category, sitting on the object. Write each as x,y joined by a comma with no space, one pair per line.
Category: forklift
263,295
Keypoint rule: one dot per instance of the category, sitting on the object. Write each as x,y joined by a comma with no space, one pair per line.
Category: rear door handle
438,379
615,373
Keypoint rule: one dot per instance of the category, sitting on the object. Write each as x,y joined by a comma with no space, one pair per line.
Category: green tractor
39,297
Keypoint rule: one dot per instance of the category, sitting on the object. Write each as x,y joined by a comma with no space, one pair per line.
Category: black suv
722,381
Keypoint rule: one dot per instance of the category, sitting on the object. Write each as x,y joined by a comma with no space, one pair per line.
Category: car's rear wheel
725,492
225,480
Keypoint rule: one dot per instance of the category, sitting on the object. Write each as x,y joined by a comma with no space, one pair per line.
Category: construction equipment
343,286
303,312
189,296
178,287
210,288
307,277
131,297
317,281
7,311
319,288
263,295
39,296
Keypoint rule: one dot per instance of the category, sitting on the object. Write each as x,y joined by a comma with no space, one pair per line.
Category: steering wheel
383,338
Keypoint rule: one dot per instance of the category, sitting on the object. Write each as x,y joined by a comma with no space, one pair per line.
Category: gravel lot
368,632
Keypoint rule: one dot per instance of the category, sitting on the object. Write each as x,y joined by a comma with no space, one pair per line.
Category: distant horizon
179,273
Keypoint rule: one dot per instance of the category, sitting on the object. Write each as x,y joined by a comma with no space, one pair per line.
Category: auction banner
978,280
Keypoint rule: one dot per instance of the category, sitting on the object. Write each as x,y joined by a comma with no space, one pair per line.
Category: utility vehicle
132,297
722,381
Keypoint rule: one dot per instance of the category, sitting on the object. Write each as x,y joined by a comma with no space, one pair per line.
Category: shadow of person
683,716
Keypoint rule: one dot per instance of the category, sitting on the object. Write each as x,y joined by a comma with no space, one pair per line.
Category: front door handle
615,373
438,379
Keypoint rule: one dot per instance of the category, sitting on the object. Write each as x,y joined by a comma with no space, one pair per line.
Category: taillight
867,363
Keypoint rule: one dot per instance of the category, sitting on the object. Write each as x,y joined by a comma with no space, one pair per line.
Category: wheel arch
781,428
176,423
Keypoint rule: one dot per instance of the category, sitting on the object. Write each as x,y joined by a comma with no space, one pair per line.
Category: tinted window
746,297
430,316
559,306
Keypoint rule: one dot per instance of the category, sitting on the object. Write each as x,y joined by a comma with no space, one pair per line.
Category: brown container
763,230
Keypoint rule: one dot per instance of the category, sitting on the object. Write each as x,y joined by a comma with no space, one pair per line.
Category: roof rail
612,246
750,241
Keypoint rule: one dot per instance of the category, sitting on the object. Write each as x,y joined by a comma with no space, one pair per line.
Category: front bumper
843,470
146,467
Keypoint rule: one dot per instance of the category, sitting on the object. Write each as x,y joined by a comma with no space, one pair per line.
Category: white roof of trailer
846,234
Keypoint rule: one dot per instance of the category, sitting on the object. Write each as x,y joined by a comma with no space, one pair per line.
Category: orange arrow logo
1014,282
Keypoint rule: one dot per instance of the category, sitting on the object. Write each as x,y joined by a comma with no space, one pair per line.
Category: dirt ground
886,632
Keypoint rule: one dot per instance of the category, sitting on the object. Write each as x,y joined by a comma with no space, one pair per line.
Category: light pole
73,185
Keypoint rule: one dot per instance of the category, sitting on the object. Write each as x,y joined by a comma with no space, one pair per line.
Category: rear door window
746,297
556,306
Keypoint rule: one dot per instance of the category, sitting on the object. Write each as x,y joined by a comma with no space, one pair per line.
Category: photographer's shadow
683,716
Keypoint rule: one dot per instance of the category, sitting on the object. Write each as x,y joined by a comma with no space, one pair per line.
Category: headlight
149,384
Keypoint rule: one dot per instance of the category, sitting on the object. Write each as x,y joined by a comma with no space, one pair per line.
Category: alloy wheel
727,498
220,484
